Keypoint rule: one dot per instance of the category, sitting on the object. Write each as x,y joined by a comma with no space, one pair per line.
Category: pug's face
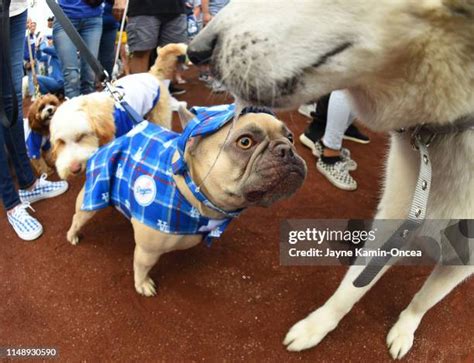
258,164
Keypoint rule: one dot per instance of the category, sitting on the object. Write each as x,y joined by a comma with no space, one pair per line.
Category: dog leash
421,138
5,62
33,69
93,62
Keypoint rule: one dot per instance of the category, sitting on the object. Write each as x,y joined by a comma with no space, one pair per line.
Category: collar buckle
421,135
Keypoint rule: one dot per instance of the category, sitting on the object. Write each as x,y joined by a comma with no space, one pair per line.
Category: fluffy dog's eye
245,142
80,137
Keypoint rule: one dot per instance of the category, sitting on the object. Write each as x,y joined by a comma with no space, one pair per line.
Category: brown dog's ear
460,7
34,116
99,109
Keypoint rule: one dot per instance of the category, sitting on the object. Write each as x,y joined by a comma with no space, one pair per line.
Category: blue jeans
14,137
107,49
49,85
79,78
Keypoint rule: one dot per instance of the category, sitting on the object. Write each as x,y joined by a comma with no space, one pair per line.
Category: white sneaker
306,110
317,149
337,174
43,189
25,226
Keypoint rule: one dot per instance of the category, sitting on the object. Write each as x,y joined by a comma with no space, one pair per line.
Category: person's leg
67,54
124,59
107,49
140,61
334,162
48,85
315,130
174,31
13,138
338,119
91,31
142,33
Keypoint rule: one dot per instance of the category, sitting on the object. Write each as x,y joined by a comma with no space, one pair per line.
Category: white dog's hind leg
310,331
441,281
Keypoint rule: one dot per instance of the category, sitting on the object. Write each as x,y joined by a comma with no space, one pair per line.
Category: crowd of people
50,63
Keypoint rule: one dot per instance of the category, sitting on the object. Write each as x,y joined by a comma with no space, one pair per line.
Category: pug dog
179,190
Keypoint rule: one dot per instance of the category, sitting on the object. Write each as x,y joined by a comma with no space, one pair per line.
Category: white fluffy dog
404,63
82,124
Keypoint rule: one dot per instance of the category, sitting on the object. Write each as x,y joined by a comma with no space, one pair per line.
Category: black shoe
175,90
353,134
313,133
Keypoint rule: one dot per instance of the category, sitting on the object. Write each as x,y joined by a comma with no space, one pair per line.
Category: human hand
206,18
118,9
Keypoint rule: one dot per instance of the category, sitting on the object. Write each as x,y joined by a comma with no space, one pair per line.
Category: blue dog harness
134,173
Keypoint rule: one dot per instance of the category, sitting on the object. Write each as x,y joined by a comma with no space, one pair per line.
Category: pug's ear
184,115
460,7
192,145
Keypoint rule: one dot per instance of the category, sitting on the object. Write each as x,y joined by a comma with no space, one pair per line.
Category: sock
331,160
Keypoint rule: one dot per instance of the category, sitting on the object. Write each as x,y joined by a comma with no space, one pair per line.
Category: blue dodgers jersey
134,174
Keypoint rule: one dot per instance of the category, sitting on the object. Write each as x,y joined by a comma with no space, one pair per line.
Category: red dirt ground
231,302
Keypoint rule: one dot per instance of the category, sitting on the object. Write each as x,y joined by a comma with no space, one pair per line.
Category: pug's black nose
201,48
283,150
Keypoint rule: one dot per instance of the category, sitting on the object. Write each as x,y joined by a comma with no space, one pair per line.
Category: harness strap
421,138
78,41
5,63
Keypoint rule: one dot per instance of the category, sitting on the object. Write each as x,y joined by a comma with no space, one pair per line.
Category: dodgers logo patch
144,190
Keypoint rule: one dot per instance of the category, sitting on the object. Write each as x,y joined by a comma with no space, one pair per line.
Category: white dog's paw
310,331
146,288
73,238
400,338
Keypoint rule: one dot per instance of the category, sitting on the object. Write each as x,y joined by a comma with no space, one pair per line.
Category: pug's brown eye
245,142
290,137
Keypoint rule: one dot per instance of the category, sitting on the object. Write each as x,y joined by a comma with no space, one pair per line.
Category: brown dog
37,126
254,165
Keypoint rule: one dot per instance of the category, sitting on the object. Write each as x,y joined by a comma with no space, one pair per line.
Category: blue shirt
134,174
79,9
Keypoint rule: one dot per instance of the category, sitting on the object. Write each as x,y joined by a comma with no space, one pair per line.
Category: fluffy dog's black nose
201,48
283,150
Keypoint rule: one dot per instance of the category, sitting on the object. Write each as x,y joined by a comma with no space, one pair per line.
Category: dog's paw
310,331
400,338
146,288
73,238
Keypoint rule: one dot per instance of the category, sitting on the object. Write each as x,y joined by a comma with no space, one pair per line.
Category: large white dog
404,63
